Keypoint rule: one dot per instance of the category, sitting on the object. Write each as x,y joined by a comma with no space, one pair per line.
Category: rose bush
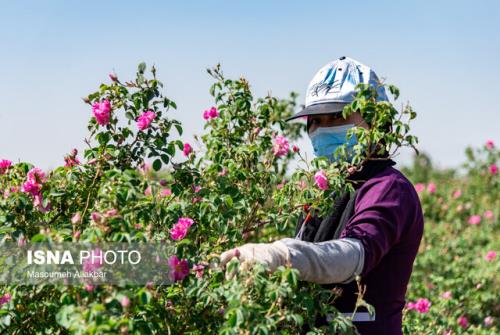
217,197
229,187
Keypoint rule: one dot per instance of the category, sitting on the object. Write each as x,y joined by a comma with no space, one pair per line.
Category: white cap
333,87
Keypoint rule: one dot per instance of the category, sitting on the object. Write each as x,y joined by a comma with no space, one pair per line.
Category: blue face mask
326,140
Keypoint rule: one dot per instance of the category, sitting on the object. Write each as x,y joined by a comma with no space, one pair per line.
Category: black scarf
317,229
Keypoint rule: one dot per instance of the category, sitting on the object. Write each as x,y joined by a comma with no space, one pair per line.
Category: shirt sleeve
378,219
328,262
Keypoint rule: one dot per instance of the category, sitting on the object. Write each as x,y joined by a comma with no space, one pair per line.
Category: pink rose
125,301
212,113
5,298
280,146
187,149
422,305
96,217
102,112
113,76
93,262
145,119
32,188
198,268
474,219
488,321
5,165
446,295
76,235
71,161
457,194
77,218
111,213
488,214
179,268
489,144
89,288
145,167
34,180
410,306
490,255
166,192
321,180
21,242
180,229
36,175
38,203
148,191
493,169
223,172
431,188
462,321
419,187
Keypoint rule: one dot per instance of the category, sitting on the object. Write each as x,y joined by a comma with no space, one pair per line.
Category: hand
271,254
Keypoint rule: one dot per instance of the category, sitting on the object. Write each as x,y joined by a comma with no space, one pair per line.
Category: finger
226,256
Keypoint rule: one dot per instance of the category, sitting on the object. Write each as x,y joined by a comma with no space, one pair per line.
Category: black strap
346,215
330,224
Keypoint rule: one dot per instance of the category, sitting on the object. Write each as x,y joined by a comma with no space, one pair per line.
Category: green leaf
179,129
144,297
39,238
394,91
129,115
157,165
171,149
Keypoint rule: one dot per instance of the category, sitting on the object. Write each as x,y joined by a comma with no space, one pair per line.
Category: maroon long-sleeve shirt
389,222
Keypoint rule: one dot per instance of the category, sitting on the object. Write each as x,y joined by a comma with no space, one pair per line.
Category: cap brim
320,109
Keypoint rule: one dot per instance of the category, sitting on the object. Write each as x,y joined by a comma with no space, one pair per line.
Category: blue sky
443,55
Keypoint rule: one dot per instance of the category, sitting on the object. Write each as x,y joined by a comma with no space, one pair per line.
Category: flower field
138,181
454,286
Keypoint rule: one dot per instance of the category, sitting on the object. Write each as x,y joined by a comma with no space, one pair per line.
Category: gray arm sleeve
335,261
